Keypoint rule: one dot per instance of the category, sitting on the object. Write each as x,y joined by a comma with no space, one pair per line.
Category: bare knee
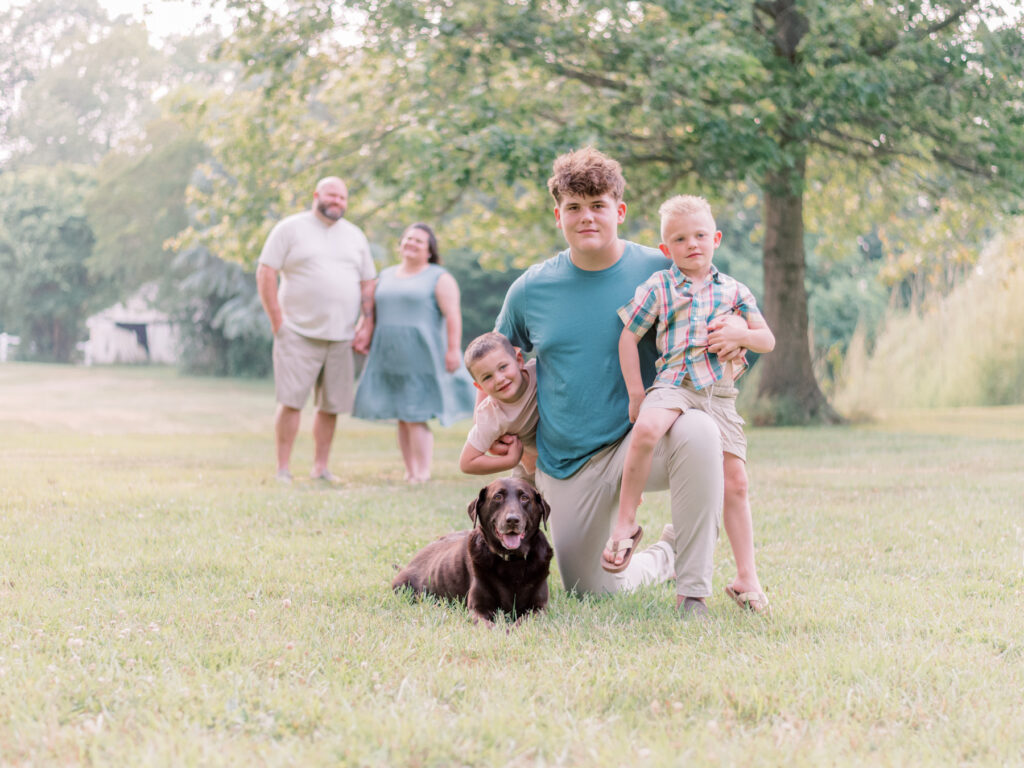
735,479
646,435
287,418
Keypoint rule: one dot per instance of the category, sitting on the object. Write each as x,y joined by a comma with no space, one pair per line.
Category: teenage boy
565,309
688,303
510,408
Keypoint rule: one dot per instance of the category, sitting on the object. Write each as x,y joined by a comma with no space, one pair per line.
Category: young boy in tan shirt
510,408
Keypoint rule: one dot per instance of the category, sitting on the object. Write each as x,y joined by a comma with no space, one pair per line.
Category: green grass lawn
164,602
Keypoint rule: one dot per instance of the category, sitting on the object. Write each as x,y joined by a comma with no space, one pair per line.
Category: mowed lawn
163,601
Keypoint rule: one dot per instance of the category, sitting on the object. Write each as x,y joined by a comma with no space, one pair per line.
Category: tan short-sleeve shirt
494,418
321,270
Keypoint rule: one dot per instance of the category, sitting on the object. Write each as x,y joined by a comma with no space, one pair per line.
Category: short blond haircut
683,205
586,173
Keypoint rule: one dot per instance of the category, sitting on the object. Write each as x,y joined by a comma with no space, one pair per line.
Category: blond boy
696,309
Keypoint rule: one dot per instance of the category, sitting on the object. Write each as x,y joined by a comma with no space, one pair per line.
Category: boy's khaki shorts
302,364
718,401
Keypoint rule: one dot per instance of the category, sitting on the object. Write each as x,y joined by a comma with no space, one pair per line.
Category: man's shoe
692,608
327,476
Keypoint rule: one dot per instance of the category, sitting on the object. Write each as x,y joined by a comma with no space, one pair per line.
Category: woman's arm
447,295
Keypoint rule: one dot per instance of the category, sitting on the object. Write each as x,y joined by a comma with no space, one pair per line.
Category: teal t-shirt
568,316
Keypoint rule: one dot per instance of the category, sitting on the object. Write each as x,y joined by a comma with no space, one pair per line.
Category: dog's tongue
511,541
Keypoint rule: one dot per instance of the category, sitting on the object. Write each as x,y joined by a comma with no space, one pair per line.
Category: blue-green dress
404,377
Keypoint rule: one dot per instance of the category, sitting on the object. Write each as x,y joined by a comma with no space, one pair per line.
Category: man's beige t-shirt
494,418
321,270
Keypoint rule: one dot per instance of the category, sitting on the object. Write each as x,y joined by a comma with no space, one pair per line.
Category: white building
6,342
131,332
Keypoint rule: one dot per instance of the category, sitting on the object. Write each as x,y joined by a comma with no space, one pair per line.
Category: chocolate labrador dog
501,564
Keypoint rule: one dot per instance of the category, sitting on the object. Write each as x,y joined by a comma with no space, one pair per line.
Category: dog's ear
476,504
543,506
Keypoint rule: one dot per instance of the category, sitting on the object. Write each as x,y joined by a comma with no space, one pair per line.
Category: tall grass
964,349
164,602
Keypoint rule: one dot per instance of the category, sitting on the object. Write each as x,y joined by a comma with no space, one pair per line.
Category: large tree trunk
787,378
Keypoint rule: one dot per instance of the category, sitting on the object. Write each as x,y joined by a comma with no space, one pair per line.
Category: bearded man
320,311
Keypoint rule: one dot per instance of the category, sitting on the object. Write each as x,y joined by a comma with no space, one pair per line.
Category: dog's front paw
479,618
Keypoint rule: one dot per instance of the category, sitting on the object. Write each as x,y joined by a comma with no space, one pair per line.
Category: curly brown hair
586,173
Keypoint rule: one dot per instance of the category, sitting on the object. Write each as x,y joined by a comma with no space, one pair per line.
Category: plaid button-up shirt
667,299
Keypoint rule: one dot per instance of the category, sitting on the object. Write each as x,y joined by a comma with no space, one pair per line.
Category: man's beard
336,213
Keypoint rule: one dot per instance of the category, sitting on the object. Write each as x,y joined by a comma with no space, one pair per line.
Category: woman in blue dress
414,371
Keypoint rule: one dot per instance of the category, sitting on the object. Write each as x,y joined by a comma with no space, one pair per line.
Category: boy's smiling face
499,375
590,224
690,241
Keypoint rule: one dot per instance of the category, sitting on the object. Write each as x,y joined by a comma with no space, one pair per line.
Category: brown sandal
615,546
750,601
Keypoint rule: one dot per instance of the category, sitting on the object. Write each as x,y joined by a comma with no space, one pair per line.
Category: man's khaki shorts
302,364
718,401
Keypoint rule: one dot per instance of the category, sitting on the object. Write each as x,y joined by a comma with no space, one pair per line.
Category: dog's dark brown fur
501,564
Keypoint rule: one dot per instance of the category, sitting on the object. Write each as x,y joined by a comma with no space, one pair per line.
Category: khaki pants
688,461
302,364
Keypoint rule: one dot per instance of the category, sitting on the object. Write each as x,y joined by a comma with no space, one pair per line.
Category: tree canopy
138,203
699,96
866,133
79,83
93,169
45,241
